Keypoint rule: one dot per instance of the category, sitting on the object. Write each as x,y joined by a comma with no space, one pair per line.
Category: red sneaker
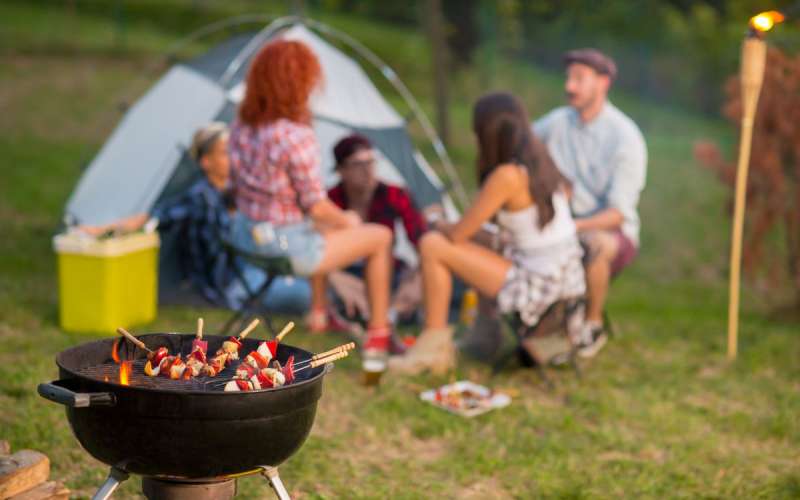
378,342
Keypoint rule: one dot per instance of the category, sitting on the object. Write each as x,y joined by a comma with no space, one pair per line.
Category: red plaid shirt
388,203
275,170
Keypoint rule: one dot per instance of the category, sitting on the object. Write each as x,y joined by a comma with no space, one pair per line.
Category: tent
144,161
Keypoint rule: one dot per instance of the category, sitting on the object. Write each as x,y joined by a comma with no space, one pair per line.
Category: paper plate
491,402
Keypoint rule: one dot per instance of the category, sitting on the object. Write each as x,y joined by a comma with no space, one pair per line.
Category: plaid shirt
388,203
197,218
275,169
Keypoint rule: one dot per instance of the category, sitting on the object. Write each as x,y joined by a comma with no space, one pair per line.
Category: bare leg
319,299
478,266
370,241
604,246
441,258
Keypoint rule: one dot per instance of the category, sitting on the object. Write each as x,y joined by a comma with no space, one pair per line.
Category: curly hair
279,83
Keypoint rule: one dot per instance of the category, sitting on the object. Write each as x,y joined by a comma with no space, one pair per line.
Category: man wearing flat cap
602,152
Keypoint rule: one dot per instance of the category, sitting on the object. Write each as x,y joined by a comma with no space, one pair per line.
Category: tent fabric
347,95
128,174
144,161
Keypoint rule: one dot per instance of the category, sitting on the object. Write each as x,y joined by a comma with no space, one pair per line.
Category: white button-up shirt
605,159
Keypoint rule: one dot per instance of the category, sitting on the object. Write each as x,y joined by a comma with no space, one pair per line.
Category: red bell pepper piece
158,356
273,347
201,345
288,370
264,380
243,385
199,355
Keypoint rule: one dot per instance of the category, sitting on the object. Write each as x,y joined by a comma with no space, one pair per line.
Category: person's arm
607,219
497,189
127,224
409,293
627,183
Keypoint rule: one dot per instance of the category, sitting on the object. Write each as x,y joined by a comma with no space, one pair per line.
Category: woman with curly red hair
283,207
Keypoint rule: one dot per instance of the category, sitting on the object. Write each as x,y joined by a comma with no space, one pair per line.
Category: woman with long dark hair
523,191
283,207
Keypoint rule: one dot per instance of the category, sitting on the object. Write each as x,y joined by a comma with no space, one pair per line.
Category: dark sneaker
594,338
396,345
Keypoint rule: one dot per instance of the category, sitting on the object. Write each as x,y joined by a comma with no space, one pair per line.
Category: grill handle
57,393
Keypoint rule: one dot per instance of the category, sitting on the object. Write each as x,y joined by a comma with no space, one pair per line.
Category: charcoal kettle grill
187,438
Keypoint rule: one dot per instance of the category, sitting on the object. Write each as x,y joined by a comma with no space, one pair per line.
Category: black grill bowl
183,433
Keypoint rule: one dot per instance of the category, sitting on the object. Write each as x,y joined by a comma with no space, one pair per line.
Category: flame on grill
114,353
766,20
125,372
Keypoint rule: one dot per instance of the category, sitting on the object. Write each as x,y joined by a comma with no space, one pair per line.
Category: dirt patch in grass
488,487
383,452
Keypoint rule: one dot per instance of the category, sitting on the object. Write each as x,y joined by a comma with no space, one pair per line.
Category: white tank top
526,235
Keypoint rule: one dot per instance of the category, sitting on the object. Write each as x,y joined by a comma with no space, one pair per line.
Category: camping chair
546,343
253,304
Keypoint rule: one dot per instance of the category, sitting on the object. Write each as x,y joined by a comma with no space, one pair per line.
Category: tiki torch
754,54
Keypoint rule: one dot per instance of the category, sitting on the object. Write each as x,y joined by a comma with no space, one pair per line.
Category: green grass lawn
659,413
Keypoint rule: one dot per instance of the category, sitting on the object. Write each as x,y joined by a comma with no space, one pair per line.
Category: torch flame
124,372
114,353
766,20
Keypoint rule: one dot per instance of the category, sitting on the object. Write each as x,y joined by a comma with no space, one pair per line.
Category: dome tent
146,153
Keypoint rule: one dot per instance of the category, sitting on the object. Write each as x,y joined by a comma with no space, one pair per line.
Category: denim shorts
300,242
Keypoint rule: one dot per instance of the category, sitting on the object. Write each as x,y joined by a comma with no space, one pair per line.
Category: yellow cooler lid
83,244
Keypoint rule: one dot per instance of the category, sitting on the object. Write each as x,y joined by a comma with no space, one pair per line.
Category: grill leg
271,473
115,477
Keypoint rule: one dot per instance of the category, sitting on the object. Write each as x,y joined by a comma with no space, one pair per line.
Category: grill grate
109,372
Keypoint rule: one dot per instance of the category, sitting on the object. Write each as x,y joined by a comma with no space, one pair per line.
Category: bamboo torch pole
754,53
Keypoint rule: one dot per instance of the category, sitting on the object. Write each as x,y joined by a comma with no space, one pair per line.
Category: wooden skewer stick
343,347
286,330
125,333
199,328
252,326
312,363
335,350
326,360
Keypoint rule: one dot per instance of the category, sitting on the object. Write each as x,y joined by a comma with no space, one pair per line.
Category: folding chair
253,305
547,342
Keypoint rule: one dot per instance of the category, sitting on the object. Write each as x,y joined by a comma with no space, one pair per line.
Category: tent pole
372,58
400,88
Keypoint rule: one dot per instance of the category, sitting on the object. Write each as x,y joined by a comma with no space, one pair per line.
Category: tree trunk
435,28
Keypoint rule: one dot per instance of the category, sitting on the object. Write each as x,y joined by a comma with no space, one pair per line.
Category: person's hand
93,230
409,294
352,291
